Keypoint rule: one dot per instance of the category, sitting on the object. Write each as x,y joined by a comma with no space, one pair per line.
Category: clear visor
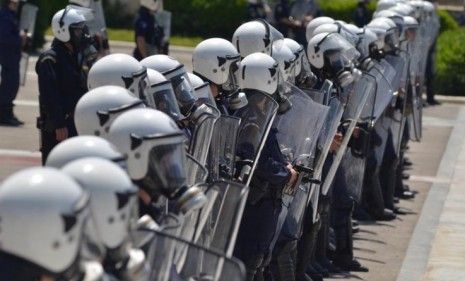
137,83
339,61
183,91
167,167
392,38
161,96
204,95
232,83
335,43
106,118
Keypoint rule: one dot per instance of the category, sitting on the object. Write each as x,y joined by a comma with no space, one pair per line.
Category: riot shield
415,102
205,265
298,131
204,123
221,163
384,75
95,18
256,120
27,23
363,88
333,119
396,65
163,19
225,216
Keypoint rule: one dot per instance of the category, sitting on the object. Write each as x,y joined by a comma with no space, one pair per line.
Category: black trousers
48,139
9,86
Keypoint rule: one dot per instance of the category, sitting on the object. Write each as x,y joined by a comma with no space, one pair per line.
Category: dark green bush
46,11
207,18
450,63
447,21
342,9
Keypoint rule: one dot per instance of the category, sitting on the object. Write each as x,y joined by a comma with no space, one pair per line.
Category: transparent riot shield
95,18
256,120
204,123
221,161
398,114
415,102
163,19
206,265
363,88
384,75
333,119
396,65
27,23
298,131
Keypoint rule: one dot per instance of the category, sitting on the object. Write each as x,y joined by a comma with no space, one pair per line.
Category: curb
450,99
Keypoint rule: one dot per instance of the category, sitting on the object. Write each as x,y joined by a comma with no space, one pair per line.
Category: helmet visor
161,96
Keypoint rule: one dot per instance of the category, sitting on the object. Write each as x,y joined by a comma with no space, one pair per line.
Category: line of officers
249,168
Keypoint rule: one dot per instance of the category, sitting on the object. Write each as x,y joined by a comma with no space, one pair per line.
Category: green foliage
206,18
447,21
342,9
450,63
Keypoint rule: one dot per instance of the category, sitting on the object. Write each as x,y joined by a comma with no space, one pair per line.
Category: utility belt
263,190
43,122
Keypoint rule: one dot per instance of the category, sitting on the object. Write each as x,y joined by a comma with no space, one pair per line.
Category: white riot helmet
260,72
81,147
96,110
255,37
215,60
391,37
304,75
156,156
385,4
113,199
43,213
68,25
335,57
160,95
313,24
82,3
396,18
119,70
338,27
202,90
285,59
403,9
152,5
176,73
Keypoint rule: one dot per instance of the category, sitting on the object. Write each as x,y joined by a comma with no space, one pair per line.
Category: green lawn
127,35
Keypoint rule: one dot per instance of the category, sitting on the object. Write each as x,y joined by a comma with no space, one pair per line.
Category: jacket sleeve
51,100
9,33
270,166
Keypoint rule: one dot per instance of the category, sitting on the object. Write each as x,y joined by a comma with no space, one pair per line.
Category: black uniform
256,11
145,27
261,213
62,83
282,11
10,55
361,15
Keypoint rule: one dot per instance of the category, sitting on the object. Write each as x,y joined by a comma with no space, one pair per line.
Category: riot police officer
257,9
62,81
11,42
147,34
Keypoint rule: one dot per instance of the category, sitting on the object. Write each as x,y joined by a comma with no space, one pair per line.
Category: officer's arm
50,97
272,171
9,34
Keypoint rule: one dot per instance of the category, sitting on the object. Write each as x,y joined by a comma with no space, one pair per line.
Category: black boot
283,261
306,245
7,118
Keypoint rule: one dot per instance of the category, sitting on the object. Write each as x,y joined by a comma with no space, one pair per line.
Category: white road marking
19,153
33,103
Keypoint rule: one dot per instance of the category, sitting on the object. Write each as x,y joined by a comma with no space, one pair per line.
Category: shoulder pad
49,55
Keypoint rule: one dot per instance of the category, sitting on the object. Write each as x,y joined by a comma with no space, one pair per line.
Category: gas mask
280,96
231,85
80,37
341,68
